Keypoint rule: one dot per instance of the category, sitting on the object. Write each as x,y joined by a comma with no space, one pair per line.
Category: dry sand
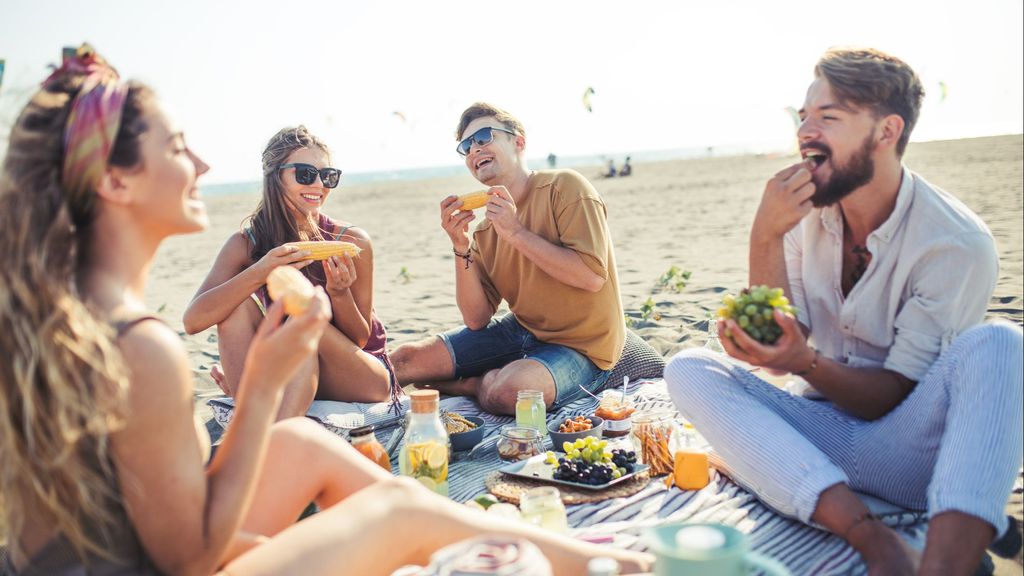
694,214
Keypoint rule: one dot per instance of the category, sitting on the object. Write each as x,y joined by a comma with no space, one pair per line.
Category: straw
589,392
625,386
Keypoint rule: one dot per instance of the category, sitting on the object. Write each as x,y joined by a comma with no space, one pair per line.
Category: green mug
705,550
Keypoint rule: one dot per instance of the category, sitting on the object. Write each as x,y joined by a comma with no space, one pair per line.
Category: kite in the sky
586,98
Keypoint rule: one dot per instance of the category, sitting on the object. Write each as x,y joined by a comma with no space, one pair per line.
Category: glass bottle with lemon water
424,454
531,411
543,507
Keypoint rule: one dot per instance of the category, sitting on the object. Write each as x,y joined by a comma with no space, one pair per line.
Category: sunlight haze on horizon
666,75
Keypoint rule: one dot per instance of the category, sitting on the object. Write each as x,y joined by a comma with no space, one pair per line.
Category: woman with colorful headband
102,470
353,363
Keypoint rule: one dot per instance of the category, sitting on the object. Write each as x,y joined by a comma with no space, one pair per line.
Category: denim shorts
474,352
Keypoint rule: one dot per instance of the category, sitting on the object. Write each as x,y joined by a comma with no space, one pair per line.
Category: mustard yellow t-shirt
563,208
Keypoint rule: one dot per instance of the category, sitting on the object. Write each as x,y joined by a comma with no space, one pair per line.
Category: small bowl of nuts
571,429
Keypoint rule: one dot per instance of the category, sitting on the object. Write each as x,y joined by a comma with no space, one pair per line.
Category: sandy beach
692,214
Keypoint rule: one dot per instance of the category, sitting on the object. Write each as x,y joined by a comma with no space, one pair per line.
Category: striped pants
955,443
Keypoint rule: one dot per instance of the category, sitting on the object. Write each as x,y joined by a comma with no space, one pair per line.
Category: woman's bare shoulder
356,235
155,356
237,248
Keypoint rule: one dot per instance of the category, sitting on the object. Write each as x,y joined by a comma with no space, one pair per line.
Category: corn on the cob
322,250
288,284
473,200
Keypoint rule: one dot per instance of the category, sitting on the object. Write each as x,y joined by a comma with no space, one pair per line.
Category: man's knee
415,359
497,392
1002,338
687,369
695,379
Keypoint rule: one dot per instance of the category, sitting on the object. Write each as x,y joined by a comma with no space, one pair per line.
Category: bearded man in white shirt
909,397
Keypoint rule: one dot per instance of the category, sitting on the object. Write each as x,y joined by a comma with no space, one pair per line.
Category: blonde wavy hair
62,381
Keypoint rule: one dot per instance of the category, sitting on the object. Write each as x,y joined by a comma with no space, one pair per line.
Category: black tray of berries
581,464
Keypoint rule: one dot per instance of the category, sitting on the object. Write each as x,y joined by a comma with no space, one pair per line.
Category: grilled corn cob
473,200
322,250
287,283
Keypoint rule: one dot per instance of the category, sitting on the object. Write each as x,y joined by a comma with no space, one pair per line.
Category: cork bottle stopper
424,400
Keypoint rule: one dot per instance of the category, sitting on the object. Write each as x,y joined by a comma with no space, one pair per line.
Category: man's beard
858,171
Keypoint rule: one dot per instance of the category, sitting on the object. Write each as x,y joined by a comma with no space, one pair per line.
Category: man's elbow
474,324
477,321
594,283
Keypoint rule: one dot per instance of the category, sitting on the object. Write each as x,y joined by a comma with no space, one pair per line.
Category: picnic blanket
803,549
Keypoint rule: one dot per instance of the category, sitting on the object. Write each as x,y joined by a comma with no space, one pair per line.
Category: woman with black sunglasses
353,363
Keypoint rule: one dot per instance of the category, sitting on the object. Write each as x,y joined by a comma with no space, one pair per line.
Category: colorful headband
94,119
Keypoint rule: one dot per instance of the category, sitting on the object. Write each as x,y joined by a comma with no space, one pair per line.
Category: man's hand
786,200
455,222
501,211
790,353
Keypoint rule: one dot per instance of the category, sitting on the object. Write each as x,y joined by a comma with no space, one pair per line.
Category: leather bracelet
814,364
468,257
863,516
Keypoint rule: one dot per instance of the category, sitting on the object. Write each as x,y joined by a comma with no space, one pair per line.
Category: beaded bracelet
814,364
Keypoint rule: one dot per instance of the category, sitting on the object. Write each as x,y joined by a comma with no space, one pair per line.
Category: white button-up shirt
933,269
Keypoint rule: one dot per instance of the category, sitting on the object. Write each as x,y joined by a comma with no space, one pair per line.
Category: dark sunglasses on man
481,137
306,174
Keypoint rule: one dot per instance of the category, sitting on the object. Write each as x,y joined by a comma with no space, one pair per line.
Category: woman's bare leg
234,335
347,373
382,529
331,470
300,391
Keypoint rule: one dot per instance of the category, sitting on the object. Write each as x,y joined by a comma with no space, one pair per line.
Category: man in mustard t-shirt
544,248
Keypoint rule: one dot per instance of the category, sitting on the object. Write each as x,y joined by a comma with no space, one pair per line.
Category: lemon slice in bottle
435,455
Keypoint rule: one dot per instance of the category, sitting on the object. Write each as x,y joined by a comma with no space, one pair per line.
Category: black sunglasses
306,174
481,137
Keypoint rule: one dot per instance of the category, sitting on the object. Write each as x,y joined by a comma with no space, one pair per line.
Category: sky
666,75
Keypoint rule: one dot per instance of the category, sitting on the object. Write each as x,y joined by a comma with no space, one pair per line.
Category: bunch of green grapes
588,449
752,310
586,461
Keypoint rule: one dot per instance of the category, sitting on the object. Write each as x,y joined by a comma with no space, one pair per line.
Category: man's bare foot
883,550
460,387
220,380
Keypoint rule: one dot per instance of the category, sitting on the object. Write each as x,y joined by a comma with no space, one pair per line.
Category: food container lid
424,400
362,431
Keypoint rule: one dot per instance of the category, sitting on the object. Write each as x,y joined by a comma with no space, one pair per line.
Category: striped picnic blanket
803,549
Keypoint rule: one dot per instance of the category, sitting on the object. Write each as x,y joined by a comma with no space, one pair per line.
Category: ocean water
426,173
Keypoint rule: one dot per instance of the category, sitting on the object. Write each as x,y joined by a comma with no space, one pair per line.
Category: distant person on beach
610,171
627,168
102,468
353,363
909,396
552,160
544,248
